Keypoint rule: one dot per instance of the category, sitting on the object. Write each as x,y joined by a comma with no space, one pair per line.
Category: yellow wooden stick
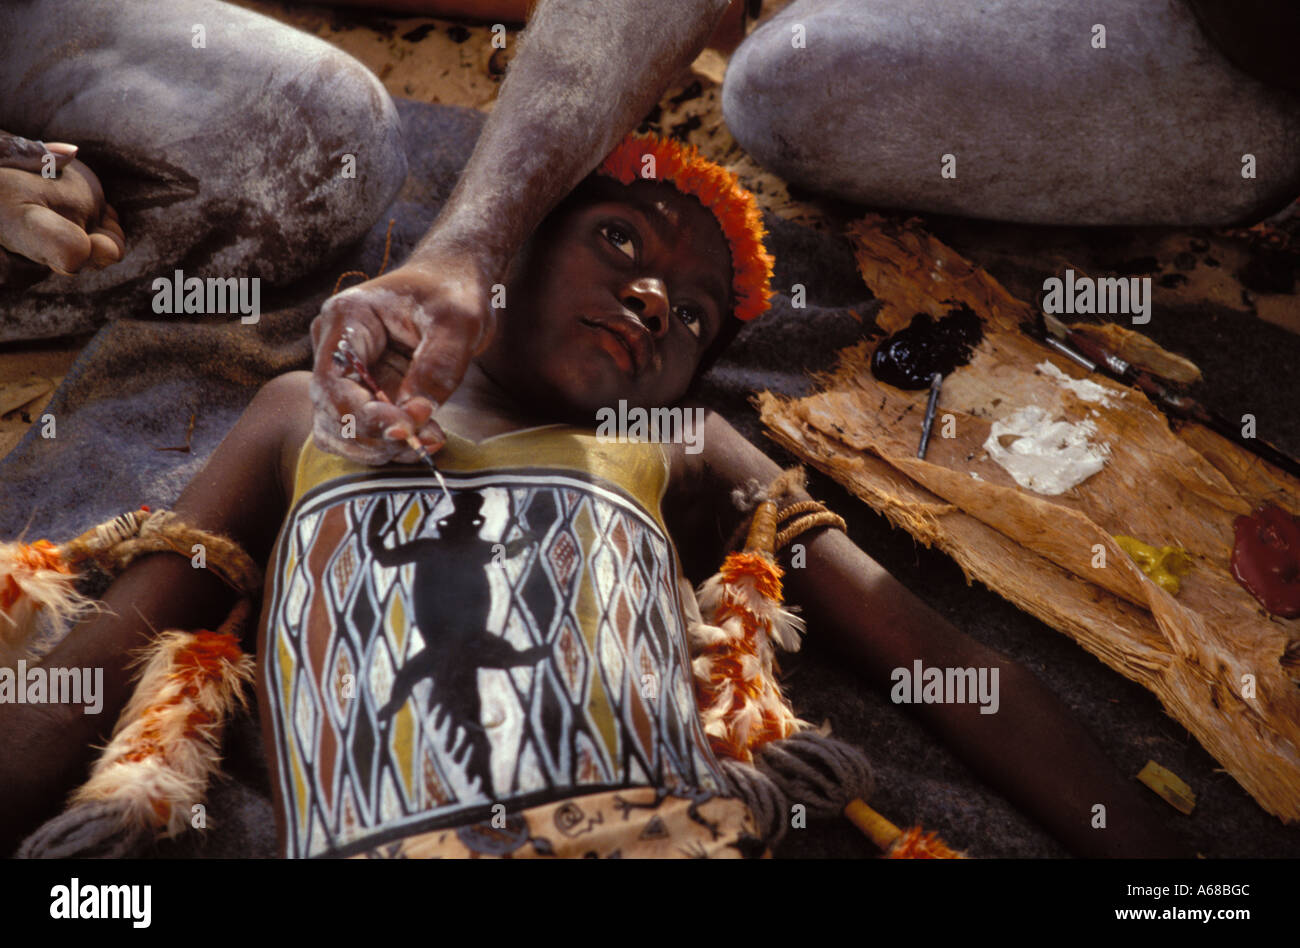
878,829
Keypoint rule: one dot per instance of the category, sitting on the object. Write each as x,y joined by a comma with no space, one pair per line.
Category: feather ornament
35,580
165,747
40,579
735,664
733,640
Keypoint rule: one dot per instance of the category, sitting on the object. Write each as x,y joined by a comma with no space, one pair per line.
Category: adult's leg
221,136
863,99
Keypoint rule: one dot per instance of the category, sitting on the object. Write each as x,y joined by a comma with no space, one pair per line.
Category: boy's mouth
631,348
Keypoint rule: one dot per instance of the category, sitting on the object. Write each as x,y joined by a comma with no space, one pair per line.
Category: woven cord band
115,544
815,515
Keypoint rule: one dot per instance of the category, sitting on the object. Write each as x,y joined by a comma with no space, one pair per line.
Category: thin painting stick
346,358
935,381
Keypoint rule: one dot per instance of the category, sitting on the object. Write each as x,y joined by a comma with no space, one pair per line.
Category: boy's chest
427,654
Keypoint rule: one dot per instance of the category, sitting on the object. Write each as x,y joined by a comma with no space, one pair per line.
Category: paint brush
936,381
1086,351
346,358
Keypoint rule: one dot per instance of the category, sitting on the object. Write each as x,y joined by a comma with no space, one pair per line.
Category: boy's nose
647,298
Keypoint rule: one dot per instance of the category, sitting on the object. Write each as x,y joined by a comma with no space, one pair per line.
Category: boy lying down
427,654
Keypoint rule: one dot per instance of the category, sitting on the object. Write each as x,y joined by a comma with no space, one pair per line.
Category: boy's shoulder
721,460
284,390
279,420
699,506
710,451
285,402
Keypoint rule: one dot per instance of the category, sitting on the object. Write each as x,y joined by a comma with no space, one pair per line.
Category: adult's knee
339,158
311,161
1014,110
230,143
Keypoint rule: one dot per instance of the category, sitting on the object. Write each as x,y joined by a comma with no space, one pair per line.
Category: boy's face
618,298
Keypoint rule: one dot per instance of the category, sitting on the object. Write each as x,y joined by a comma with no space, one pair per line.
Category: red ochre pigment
1266,559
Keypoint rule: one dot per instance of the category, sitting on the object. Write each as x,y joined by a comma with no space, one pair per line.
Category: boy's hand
60,222
416,328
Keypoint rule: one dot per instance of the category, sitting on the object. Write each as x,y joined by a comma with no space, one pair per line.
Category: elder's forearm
585,75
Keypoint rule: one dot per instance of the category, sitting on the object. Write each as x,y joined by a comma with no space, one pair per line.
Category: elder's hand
60,222
416,328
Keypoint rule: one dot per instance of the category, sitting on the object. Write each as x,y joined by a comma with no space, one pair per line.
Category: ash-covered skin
1045,127
221,161
620,294
386,350
583,76
25,154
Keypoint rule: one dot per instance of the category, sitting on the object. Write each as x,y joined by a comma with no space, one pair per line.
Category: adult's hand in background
52,210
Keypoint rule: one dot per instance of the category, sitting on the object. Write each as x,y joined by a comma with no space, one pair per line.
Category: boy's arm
47,747
1032,750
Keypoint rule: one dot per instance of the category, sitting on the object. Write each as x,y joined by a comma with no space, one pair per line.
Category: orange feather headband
720,192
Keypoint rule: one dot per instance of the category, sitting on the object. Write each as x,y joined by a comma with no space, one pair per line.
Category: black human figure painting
452,600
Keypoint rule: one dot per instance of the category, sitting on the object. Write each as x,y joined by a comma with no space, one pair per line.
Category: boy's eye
693,319
617,236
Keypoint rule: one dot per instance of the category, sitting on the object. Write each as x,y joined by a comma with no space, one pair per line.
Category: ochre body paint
1266,559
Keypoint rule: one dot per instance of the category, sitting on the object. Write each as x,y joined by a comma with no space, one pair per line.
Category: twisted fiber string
163,531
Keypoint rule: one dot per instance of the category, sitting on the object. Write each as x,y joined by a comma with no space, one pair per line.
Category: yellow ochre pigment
1166,565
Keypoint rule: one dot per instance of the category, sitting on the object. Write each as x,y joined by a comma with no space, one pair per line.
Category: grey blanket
133,390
